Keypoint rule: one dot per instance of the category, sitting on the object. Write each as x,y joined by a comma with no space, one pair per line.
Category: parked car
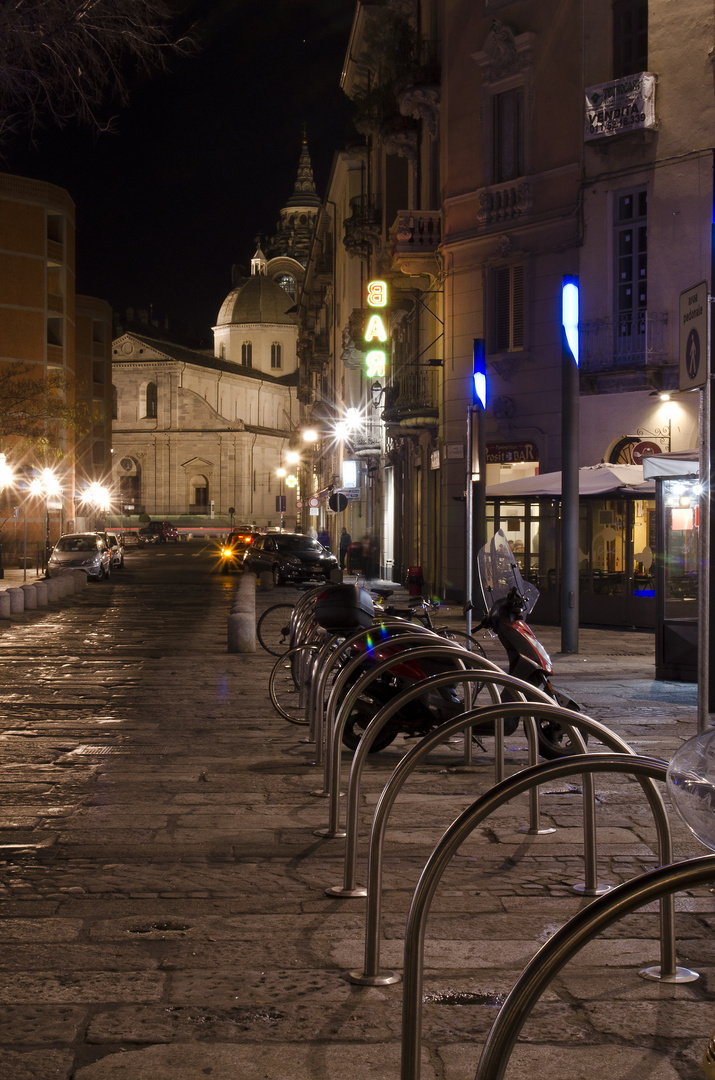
289,557
158,532
116,550
237,541
129,540
81,551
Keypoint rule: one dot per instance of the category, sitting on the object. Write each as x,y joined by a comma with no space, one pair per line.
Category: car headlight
292,559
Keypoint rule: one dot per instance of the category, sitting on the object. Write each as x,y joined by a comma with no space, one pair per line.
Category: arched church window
276,355
114,402
223,351
247,354
151,401
287,282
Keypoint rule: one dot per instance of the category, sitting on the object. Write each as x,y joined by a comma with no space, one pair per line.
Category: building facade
504,146
45,331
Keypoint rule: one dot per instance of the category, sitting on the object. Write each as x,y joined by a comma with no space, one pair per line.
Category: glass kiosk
676,584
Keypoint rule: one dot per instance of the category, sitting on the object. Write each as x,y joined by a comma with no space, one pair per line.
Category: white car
81,551
116,550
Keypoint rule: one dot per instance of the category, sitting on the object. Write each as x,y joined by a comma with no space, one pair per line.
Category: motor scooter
345,608
507,601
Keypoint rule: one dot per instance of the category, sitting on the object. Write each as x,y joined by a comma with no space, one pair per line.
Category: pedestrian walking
345,542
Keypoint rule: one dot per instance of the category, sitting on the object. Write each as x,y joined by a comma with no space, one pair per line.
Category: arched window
287,282
151,401
247,354
114,402
223,351
276,355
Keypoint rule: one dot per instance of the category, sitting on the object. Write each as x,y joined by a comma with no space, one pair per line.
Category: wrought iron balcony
624,343
411,401
363,226
366,442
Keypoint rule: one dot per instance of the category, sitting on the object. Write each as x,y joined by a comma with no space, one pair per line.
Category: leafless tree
61,60
34,408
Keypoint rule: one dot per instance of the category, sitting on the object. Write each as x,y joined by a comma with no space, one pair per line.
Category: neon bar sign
376,360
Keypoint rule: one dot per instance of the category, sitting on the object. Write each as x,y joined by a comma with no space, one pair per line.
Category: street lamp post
281,472
6,478
46,485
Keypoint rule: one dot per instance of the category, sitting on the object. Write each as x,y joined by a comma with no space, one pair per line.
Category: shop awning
673,464
592,480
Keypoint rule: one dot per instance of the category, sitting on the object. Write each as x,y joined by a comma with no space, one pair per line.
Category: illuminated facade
44,325
504,147
196,434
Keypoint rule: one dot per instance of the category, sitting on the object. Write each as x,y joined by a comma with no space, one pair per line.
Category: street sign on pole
693,336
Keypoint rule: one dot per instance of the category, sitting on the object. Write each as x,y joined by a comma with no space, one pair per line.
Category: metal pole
569,499
705,560
469,507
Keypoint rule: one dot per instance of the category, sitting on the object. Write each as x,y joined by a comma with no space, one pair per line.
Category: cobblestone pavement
163,905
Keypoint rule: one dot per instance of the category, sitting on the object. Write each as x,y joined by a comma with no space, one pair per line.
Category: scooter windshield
499,573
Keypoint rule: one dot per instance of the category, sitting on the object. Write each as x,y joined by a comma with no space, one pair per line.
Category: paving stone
23,987
293,1061
36,1065
33,1024
585,1062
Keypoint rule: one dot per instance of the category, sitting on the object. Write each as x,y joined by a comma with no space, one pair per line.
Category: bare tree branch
31,408
60,60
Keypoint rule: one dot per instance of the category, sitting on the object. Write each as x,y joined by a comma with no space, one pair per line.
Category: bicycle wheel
467,642
289,681
273,629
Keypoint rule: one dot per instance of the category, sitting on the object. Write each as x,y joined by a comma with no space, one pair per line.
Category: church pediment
197,463
129,347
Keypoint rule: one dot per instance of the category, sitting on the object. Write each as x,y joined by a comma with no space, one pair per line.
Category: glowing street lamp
6,480
46,486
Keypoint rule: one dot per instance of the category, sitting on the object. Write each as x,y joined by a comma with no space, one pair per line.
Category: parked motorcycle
508,600
344,609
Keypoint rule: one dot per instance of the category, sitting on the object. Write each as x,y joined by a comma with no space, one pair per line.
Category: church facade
202,437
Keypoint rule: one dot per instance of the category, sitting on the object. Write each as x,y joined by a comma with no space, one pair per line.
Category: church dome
257,300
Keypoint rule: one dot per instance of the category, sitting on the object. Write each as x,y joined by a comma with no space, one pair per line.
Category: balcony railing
504,202
362,228
624,343
416,232
366,442
411,401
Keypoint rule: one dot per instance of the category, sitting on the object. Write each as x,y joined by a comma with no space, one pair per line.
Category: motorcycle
346,608
508,600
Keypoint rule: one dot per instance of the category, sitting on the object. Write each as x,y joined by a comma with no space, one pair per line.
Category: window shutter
517,307
501,309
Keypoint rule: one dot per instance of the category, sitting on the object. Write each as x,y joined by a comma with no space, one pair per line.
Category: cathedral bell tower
298,216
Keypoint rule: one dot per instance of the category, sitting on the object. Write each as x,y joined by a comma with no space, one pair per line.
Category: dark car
234,547
289,557
158,532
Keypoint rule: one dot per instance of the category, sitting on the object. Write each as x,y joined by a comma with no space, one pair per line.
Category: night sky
203,158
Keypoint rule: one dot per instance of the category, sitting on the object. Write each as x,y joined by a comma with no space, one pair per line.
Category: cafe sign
375,332
620,106
508,453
